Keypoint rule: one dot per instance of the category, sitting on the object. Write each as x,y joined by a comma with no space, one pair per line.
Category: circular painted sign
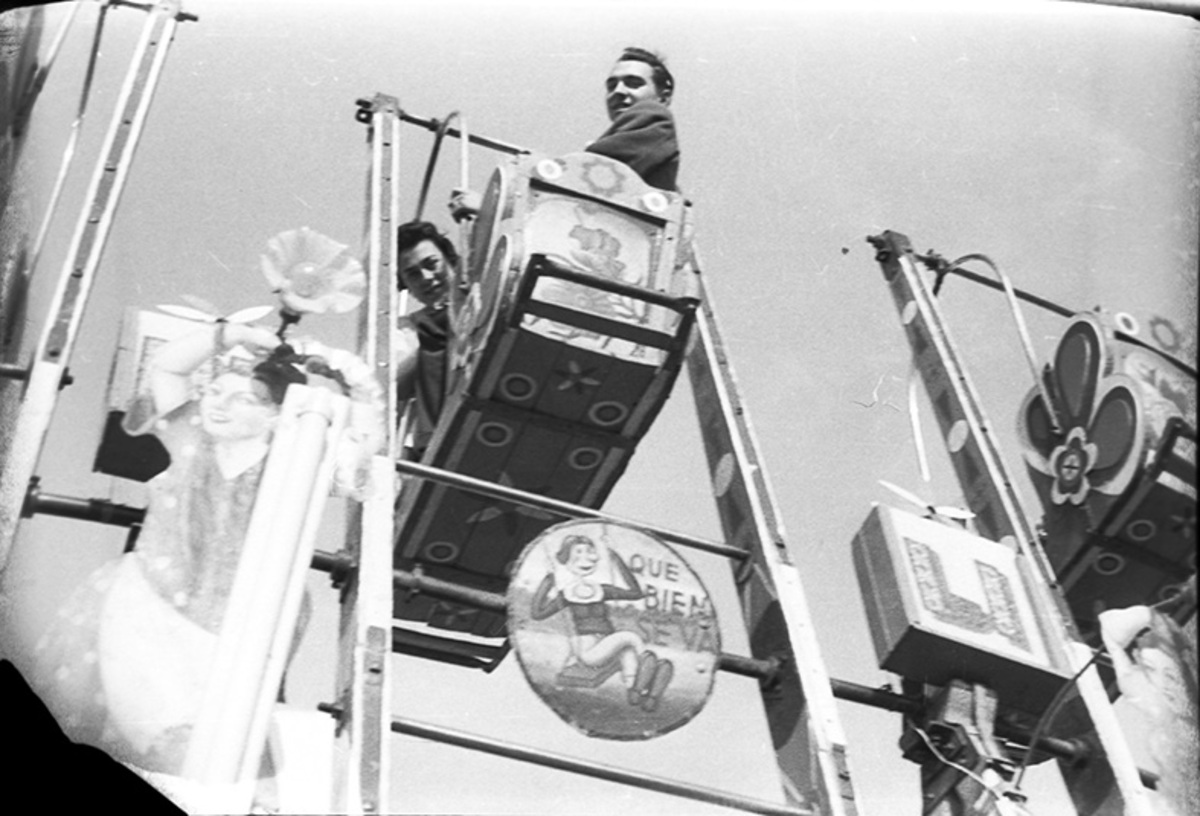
613,630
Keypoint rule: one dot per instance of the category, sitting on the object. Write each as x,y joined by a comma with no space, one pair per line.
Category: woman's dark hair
569,543
662,77
276,374
414,232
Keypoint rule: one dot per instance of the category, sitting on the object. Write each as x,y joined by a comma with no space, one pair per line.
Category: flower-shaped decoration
312,273
1081,469
601,175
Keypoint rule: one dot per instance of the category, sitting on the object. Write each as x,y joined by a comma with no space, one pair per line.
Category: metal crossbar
481,487
450,736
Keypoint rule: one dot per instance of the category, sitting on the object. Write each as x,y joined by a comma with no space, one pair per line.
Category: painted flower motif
312,273
1095,453
576,378
601,176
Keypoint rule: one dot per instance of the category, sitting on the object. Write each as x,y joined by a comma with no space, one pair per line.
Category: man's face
425,273
630,81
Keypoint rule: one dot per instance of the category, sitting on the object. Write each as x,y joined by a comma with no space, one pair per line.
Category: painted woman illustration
598,648
123,666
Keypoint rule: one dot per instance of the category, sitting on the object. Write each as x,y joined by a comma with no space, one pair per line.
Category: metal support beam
78,273
482,141
991,495
765,671
964,769
562,508
809,742
560,762
97,510
362,780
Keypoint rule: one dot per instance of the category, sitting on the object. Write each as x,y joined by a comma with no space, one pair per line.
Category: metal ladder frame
796,690
47,371
990,494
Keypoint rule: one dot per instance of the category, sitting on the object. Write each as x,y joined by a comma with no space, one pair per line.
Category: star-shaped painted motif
576,378
452,616
601,177
1184,523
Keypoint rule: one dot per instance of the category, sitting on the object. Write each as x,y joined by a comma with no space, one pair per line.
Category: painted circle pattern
494,434
441,552
585,458
608,413
517,386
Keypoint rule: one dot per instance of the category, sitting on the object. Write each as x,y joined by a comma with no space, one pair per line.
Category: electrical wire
938,265
1048,716
1059,698
442,127
1022,330
942,758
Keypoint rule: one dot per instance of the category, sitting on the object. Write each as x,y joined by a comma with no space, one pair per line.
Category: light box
943,604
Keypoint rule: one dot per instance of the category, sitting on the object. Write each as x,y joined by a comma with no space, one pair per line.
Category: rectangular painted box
943,603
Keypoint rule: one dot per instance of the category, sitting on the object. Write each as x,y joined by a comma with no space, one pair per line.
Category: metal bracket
961,761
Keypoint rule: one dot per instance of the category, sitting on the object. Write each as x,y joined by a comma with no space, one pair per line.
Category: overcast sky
1060,139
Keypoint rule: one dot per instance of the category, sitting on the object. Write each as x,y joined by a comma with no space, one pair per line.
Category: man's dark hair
662,77
414,232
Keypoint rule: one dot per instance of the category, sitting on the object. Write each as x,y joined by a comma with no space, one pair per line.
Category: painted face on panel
425,273
630,81
235,407
583,559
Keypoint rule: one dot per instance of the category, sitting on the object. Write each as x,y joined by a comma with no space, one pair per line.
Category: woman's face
583,559
425,273
236,407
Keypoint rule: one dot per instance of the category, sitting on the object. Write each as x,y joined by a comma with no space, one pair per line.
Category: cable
1129,338
1022,330
997,795
442,126
941,270
1058,699
1048,715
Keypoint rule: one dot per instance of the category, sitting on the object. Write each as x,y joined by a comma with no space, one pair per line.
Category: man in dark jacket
642,135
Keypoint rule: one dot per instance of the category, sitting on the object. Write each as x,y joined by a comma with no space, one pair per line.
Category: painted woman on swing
599,649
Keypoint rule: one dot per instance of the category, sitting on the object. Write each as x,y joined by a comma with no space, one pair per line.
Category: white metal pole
221,746
49,365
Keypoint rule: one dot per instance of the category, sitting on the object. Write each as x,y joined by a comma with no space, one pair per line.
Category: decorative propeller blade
904,494
250,314
949,512
188,313
957,513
